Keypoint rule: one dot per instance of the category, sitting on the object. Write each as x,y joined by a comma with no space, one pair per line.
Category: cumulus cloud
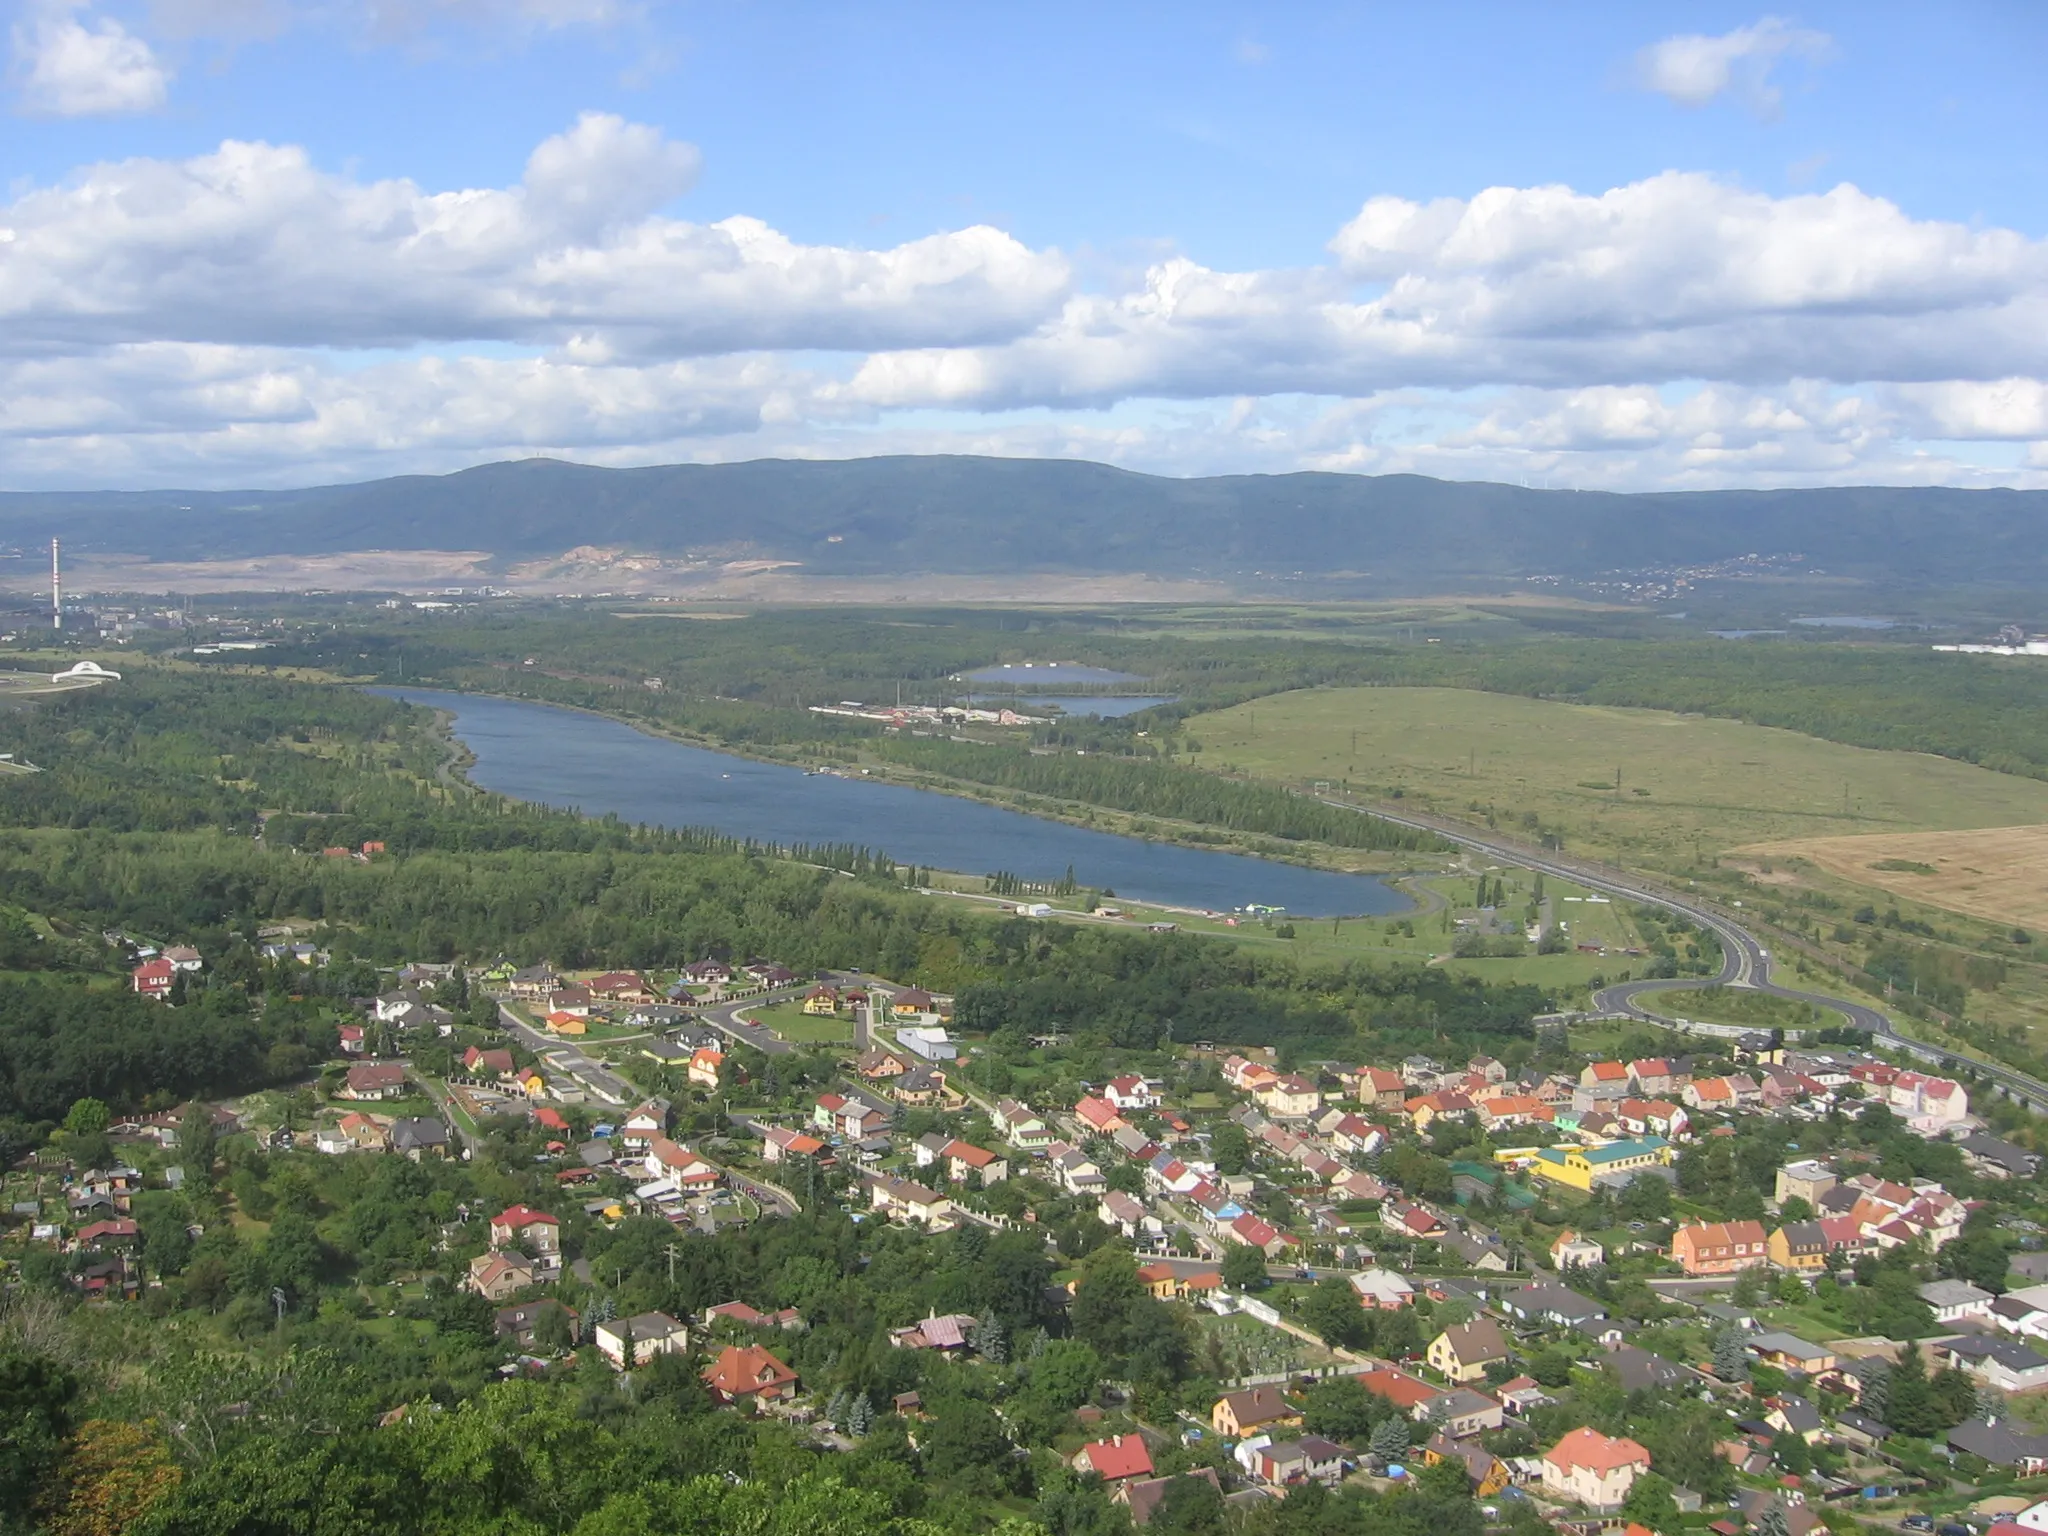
253,244
194,319
68,64
1692,69
1676,277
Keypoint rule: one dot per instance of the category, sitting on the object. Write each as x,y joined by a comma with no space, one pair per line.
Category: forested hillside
958,514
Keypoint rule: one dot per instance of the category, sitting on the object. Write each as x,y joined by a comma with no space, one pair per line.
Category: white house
648,1335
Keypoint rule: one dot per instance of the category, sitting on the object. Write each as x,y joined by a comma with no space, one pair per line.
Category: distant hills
964,515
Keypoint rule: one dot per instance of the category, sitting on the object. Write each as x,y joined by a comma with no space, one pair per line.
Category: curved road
1744,961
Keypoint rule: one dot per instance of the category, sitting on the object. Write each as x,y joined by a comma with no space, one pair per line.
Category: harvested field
1997,873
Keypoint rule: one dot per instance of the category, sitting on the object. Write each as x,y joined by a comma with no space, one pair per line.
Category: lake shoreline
1077,817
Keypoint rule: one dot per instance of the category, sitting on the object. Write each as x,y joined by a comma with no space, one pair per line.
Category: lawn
1647,786
1737,1005
799,1028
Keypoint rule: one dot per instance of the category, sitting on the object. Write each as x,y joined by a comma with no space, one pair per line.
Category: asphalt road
725,1018
559,1052
1744,960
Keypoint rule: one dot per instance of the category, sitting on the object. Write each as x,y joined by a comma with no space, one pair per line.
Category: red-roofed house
748,1372
1255,1233
1115,1460
353,1042
1405,1392
1130,1092
153,978
1593,1469
538,1233
1377,1088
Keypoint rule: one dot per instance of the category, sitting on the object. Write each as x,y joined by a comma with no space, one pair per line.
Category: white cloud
70,65
1692,69
248,317
253,244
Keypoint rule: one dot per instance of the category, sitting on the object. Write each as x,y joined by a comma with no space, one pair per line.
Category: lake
585,762
1050,674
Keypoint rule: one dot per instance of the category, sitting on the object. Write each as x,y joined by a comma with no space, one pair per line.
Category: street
1744,960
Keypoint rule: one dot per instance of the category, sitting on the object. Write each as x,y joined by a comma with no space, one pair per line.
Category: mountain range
965,515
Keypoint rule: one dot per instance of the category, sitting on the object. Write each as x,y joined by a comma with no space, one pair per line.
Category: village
1513,1276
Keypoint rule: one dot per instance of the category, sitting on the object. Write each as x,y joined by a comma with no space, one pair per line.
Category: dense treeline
1139,994
1153,789
62,1043
746,680
472,876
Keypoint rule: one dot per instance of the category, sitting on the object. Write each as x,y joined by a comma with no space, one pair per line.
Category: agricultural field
1996,873
1644,787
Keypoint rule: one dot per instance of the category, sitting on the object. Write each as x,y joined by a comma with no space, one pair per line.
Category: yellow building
1615,1163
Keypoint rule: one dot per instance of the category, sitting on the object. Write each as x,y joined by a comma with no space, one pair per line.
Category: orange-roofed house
1604,1074
1711,1093
1593,1469
1720,1247
562,1022
1509,1109
1098,1115
705,1063
1115,1460
748,1373
963,1158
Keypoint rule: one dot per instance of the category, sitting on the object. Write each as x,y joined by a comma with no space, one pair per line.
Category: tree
1065,1373
1390,1437
36,1397
1772,1522
1190,1506
1731,1358
114,1474
1978,1257
1912,1409
1331,1311
991,1342
1791,1452
1244,1268
1231,1148
1651,1502
1877,1390
1341,1409
88,1117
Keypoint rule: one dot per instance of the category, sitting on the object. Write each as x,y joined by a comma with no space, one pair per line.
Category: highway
1744,960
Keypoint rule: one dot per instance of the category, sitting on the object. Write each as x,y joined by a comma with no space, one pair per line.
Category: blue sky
1797,247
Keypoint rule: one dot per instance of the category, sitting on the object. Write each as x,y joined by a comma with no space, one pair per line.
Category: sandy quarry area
1999,873
603,573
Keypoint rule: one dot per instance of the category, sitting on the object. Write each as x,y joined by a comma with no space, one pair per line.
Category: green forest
747,680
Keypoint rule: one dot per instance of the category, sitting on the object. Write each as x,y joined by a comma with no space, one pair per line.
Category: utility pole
56,589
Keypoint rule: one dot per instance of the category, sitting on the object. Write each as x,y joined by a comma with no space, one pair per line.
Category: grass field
1996,873
1739,1005
1688,787
799,1028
